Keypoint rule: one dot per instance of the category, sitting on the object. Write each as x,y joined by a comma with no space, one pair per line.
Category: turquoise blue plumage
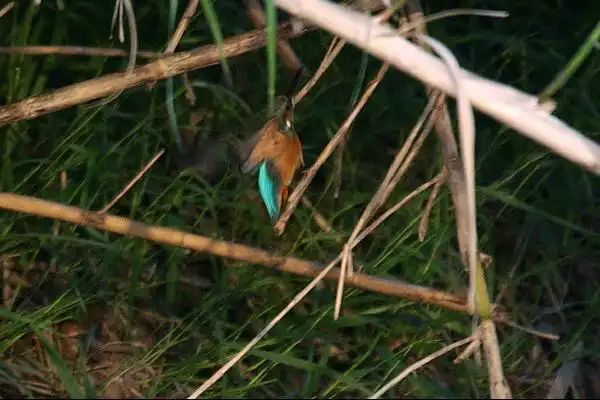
269,185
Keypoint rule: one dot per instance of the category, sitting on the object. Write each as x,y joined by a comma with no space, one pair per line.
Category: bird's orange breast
290,159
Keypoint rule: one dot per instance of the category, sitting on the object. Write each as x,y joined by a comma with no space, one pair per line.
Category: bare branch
163,68
506,104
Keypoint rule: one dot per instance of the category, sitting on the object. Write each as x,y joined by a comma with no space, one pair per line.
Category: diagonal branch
508,105
163,68
240,252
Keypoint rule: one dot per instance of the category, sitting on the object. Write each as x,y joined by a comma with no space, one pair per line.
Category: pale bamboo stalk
506,104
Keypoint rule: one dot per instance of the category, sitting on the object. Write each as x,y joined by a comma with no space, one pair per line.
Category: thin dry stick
424,223
75,51
220,248
466,124
175,64
369,229
333,143
445,132
347,255
183,24
6,8
384,16
126,226
317,216
382,194
174,42
285,50
508,105
347,260
217,375
534,332
334,49
132,182
478,297
468,351
419,364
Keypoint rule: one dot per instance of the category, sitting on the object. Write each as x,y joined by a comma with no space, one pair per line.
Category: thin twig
287,53
466,124
533,332
395,172
132,182
6,8
508,105
125,226
419,364
478,296
175,64
183,24
369,229
250,255
327,151
334,49
317,216
75,51
217,375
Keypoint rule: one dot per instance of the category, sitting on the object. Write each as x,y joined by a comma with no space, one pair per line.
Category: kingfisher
275,150
277,154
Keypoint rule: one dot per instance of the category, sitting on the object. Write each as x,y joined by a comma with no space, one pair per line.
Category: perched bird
277,154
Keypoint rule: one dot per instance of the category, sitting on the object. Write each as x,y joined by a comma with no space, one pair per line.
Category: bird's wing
268,145
269,185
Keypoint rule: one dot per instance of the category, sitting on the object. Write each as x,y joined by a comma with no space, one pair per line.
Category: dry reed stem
334,49
384,188
6,8
219,374
508,105
332,52
174,42
369,229
163,68
126,226
396,170
75,51
444,130
132,182
478,298
347,267
285,50
183,24
420,364
499,388
466,123
294,198
317,216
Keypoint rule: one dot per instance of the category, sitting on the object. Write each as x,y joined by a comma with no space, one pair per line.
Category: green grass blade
563,76
271,53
